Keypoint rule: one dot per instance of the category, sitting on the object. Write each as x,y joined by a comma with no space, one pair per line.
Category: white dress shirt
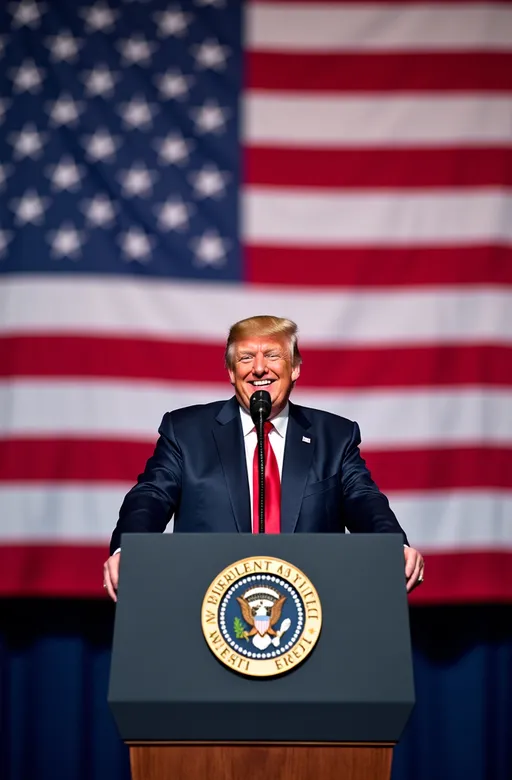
277,439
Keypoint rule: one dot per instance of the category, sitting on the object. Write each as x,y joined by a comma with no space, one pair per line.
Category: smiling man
262,352
203,471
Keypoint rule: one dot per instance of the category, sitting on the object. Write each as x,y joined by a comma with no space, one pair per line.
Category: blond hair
263,325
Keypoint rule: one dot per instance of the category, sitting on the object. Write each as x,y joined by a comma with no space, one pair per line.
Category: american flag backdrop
167,168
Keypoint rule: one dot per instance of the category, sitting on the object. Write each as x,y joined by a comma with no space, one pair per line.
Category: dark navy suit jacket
198,475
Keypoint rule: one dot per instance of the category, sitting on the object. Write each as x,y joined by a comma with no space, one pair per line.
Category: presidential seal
261,616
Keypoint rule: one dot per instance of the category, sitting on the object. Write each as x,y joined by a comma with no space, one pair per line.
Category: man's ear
295,373
231,376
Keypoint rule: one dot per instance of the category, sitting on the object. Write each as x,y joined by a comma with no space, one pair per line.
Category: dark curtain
55,722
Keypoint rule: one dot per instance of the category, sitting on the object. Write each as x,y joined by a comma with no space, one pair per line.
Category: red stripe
484,576
373,168
439,469
86,460
442,365
378,267
380,72
417,366
68,460
52,570
77,571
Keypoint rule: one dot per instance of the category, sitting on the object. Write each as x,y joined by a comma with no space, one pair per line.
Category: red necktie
272,486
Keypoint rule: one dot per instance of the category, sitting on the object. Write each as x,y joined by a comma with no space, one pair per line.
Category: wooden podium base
257,761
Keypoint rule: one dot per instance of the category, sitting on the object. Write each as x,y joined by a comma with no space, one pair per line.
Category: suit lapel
228,436
298,455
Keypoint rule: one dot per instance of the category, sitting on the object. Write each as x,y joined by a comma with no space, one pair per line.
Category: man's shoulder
185,414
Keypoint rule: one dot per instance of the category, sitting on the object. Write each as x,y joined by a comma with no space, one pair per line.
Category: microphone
260,405
260,408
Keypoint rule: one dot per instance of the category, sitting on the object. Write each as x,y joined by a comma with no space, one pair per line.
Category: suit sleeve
366,508
152,501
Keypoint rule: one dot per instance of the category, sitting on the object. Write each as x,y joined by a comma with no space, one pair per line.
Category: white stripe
330,28
85,513
73,513
456,520
417,418
332,121
390,419
282,216
326,317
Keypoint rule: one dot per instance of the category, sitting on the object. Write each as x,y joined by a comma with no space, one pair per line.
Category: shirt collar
280,421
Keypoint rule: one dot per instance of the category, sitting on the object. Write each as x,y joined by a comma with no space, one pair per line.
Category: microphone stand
260,408
261,472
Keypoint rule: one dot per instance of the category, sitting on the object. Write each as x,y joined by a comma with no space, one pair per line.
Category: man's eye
245,358
274,356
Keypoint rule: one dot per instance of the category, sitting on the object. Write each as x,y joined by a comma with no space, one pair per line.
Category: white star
5,172
30,208
210,249
101,145
100,211
66,241
100,81
173,214
173,84
66,175
210,54
172,22
137,180
6,237
64,110
173,148
99,17
28,142
136,50
209,182
4,105
27,78
138,113
137,245
26,13
210,117
63,47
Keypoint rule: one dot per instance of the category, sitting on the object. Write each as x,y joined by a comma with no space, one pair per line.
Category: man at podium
203,473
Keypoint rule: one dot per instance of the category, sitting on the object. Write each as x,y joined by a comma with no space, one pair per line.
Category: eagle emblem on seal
261,608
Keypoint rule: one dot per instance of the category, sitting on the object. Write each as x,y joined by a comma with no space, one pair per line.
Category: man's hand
414,568
111,575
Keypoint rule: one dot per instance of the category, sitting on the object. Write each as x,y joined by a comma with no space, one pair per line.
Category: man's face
263,364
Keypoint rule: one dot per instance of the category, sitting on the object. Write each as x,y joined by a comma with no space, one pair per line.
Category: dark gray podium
186,713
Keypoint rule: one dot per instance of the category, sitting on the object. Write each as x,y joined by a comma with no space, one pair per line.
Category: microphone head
260,405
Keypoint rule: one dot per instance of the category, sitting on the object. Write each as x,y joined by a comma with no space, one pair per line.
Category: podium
186,705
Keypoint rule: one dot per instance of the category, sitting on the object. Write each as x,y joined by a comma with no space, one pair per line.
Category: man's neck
279,420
